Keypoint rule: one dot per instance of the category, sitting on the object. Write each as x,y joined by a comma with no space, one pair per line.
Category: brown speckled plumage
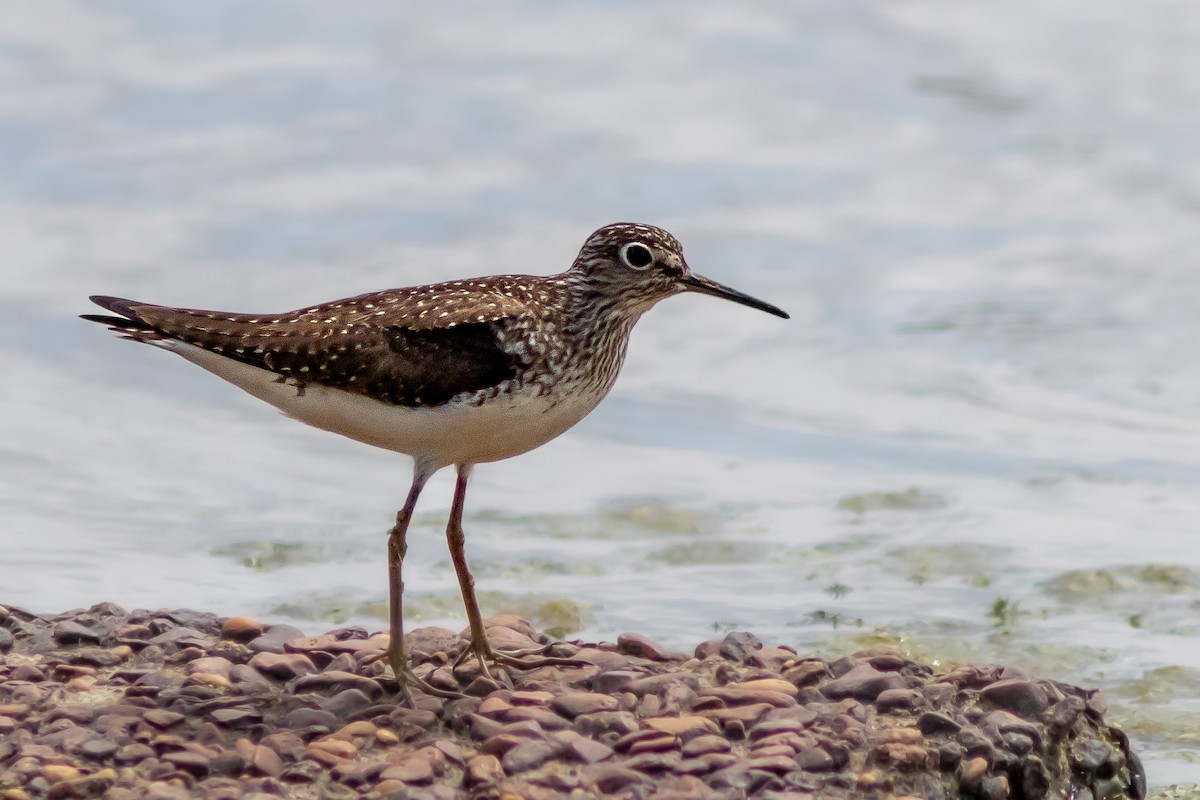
457,373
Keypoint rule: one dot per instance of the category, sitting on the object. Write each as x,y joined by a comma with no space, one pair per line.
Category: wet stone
529,755
611,780
335,681
162,719
635,644
1022,697
891,699
97,749
573,704
614,681
274,639
739,644
862,682
933,722
68,632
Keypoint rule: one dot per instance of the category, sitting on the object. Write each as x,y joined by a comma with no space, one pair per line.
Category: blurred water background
976,439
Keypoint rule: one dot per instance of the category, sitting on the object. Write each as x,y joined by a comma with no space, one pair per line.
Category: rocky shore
181,704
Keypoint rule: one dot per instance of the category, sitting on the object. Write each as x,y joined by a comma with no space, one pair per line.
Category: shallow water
976,438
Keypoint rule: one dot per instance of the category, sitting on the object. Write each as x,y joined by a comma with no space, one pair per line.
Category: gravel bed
181,704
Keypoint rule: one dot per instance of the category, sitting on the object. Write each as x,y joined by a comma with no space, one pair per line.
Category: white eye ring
636,255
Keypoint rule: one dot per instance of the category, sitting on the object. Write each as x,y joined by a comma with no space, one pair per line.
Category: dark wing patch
394,365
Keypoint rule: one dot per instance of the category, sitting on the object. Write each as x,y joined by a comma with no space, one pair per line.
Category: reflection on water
975,439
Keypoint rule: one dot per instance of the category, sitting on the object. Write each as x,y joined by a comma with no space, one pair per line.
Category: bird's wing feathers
405,347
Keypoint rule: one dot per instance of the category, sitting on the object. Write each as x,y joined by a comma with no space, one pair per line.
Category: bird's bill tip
698,283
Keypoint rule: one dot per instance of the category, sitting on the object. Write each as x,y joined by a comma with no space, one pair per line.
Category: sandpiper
452,374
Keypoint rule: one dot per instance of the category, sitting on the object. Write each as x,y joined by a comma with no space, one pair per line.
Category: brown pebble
706,744
769,685
806,672
781,763
27,672
653,762
210,679
1022,697
14,710
241,628
217,665
737,696
601,722
538,698
58,773
338,747
572,704
746,715
658,745
862,682
901,735
386,737
623,743
483,770
282,666
635,644
333,681
192,763
612,779
494,705
81,684
287,744
614,681
544,717
160,718
971,771
238,715
890,699
680,726
902,756
500,743
416,768
589,751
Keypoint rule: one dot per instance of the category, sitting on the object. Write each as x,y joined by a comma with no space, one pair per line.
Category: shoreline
178,704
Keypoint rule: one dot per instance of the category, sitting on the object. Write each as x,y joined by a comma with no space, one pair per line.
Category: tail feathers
128,324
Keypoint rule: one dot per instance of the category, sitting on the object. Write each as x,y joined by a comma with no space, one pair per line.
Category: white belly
454,433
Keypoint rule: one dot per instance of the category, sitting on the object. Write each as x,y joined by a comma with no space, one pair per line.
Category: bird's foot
409,680
532,658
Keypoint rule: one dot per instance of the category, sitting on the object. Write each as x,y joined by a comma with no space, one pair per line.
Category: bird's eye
637,255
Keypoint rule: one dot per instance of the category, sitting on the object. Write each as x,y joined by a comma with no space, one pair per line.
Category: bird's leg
397,547
479,645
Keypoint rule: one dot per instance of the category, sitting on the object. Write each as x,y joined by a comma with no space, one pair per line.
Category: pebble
241,628
572,704
483,770
182,704
635,644
274,639
862,682
68,633
529,755
682,726
1022,697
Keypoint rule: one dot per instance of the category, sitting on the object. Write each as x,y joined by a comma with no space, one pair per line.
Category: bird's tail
128,324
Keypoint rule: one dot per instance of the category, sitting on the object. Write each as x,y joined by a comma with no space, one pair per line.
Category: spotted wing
398,356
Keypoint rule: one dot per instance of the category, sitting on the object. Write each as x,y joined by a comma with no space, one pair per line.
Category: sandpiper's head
637,265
